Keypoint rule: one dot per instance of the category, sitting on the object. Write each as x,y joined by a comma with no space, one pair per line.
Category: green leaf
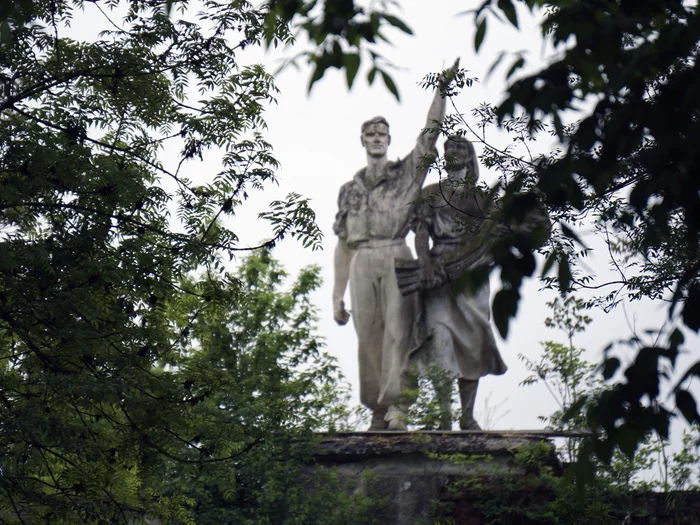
516,65
691,309
610,366
352,64
5,34
571,234
564,274
480,34
575,409
627,440
505,306
370,76
549,263
676,339
558,126
509,10
495,64
389,82
583,468
398,23
688,407
694,370
318,73
643,373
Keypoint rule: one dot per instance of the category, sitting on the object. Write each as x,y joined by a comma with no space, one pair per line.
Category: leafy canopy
628,166
138,374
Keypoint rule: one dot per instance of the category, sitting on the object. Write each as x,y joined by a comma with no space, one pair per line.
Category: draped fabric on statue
453,331
458,334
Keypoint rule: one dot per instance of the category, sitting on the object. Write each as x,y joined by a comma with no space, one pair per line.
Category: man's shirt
382,208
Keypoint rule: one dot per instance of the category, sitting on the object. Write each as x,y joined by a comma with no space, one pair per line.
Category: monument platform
424,477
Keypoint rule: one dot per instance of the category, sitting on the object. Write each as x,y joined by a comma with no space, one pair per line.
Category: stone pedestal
423,477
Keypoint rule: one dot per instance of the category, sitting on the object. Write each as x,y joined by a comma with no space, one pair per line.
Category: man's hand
340,314
447,76
454,67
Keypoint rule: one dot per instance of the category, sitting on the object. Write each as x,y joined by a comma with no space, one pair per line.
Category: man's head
460,154
375,136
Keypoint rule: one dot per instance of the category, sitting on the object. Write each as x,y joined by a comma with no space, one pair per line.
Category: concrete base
411,474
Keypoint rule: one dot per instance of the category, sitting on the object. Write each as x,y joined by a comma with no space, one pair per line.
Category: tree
563,369
257,384
574,384
609,494
135,368
629,70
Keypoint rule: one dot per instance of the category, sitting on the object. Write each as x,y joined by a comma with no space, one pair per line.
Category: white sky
316,139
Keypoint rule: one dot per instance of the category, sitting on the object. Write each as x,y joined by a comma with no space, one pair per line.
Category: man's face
375,138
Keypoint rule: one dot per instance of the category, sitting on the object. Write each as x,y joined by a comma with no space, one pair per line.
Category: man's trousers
383,321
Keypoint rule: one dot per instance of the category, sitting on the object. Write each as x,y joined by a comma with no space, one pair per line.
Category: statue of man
374,210
454,325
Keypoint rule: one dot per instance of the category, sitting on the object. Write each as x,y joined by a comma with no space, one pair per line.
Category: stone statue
453,330
374,212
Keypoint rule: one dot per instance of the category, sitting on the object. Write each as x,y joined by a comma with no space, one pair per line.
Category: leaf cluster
628,167
343,34
140,377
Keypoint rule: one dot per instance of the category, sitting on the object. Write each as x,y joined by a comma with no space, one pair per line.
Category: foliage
685,464
535,495
219,432
342,34
574,383
533,491
264,386
540,496
629,72
139,376
562,367
492,412
432,398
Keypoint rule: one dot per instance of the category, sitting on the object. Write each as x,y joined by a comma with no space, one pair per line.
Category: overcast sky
316,138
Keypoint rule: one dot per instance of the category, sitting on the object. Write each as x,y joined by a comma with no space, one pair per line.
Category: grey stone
374,214
407,473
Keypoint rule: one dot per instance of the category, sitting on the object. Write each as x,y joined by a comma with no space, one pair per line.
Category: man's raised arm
436,113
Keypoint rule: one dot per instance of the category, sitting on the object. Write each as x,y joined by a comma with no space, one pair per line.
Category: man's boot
396,419
467,396
378,421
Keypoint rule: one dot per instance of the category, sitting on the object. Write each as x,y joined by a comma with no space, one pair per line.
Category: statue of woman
454,332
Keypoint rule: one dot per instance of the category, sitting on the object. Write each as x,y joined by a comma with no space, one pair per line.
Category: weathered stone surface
453,327
422,478
410,473
669,508
345,447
